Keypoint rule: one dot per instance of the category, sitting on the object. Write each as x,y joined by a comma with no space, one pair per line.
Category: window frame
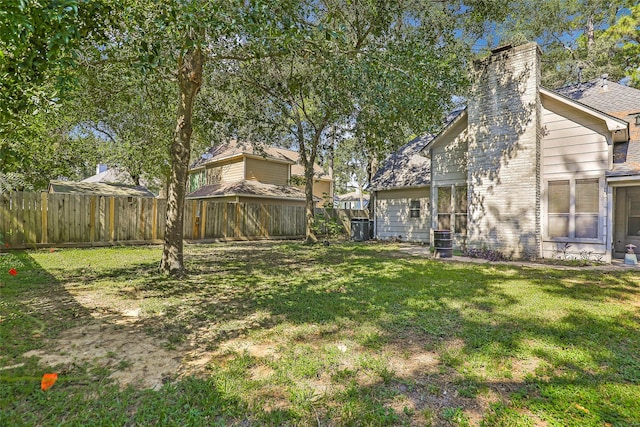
415,212
455,215
629,215
573,215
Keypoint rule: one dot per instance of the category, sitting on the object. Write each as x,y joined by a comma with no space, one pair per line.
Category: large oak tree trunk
308,174
189,80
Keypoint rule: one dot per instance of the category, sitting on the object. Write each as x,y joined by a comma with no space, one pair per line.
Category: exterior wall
392,217
229,171
322,189
574,146
267,171
449,157
254,200
449,169
504,156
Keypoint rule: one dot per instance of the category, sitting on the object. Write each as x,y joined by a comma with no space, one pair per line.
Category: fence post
203,219
43,214
112,218
154,220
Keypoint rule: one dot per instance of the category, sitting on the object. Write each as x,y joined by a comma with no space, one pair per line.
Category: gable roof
236,148
613,123
353,196
112,175
249,188
405,167
98,189
604,95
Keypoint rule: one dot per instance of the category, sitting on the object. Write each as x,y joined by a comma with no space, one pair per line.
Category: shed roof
248,188
98,189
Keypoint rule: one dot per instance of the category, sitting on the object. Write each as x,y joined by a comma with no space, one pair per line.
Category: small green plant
327,227
486,253
455,415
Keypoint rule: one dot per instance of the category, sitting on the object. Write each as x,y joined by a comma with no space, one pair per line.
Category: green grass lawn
282,333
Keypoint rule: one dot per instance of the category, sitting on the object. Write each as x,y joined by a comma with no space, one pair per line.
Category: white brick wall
504,153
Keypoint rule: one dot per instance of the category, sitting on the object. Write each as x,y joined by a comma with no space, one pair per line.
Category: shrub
488,254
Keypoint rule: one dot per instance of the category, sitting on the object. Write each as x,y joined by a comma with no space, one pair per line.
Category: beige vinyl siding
449,157
268,201
573,142
576,250
392,215
228,171
322,189
574,149
266,171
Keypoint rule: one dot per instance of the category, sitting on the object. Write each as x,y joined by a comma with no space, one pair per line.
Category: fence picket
32,219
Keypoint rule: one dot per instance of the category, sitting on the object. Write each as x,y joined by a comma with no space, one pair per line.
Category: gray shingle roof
407,167
404,168
603,95
248,188
98,189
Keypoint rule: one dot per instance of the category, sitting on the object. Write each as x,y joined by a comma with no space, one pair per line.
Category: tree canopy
575,36
134,82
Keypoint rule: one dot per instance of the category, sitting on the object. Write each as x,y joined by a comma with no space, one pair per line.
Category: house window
452,209
460,210
444,208
414,209
573,209
196,180
633,218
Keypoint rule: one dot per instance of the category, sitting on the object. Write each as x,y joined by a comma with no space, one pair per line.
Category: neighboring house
243,173
98,189
354,200
119,176
531,172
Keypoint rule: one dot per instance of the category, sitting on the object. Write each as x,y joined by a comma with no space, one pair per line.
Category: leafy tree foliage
43,148
37,51
573,36
625,35
385,69
127,115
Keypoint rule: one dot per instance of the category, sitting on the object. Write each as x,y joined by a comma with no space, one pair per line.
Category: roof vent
605,82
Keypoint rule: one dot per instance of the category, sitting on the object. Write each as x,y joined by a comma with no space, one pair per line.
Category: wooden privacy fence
50,219
42,219
220,220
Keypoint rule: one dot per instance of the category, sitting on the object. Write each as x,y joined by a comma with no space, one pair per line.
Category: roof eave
400,187
444,132
613,123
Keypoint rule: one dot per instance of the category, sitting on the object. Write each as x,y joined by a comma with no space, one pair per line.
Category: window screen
414,209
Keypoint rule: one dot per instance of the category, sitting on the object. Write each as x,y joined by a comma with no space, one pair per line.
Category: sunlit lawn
282,333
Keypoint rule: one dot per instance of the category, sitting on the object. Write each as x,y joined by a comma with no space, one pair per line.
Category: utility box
360,229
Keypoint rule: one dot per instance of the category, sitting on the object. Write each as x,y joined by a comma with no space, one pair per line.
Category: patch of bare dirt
134,358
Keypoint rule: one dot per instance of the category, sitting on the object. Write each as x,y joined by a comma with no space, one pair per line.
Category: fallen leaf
582,408
48,380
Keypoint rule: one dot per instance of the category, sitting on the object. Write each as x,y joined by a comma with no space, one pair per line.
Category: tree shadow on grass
37,312
408,300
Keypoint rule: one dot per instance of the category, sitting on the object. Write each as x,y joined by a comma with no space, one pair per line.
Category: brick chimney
504,153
